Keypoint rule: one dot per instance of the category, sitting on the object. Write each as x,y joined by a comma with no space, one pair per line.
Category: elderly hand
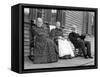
60,37
78,39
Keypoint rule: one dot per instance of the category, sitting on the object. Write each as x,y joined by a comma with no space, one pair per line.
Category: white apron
65,48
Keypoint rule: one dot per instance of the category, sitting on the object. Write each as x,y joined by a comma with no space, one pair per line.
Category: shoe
61,58
67,57
90,57
70,57
86,57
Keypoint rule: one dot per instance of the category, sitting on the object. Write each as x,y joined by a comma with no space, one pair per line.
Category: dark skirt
45,50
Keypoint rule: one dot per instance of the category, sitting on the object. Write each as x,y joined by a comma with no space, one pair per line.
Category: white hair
74,26
39,19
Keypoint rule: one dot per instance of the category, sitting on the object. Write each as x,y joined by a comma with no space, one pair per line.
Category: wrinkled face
39,22
72,29
57,24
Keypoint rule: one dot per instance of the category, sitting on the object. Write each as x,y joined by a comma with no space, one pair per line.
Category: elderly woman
64,45
45,50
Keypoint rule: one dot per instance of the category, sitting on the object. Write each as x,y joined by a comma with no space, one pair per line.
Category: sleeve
72,36
83,37
52,34
62,33
32,36
77,35
33,31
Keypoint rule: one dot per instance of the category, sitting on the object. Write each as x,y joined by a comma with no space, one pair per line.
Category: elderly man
78,42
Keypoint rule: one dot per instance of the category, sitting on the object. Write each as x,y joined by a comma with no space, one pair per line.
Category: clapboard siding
26,28
26,36
26,43
74,18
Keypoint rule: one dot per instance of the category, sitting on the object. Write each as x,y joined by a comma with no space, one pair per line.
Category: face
57,24
72,29
39,22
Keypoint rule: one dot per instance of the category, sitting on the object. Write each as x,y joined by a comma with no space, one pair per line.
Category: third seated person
78,42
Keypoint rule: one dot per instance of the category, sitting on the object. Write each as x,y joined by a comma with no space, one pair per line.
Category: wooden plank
26,47
27,43
26,32
27,40
26,50
26,28
27,36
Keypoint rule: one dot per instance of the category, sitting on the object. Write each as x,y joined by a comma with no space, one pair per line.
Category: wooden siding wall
74,18
26,36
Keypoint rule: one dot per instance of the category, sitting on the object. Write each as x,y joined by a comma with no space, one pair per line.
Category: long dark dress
55,33
45,50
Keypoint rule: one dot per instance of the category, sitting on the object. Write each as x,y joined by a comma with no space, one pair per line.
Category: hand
78,38
59,37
